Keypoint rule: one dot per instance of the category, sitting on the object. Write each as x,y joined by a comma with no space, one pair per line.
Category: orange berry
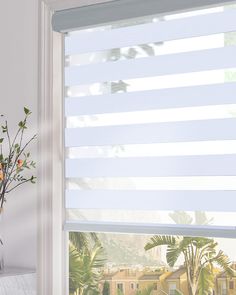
1,175
20,163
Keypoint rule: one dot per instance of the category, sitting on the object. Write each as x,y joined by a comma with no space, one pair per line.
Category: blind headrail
120,10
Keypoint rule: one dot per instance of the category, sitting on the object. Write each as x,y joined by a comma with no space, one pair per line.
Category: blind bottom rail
152,228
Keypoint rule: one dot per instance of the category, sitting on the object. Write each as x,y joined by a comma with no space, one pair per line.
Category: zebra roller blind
150,112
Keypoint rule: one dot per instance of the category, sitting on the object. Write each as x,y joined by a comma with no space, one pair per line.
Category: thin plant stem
12,165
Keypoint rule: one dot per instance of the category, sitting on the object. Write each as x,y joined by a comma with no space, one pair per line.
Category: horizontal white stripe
152,200
154,116
168,47
223,165
212,59
152,32
160,82
154,183
155,150
202,130
152,99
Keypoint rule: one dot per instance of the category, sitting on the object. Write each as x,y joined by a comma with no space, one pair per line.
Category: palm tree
86,257
85,269
199,255
82,240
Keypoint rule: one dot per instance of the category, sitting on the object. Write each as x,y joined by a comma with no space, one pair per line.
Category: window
224,288
120,287
231,285
127,262
150,107
172,289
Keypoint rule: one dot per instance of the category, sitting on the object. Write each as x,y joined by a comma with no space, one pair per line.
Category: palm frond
201,218
181,217
172,255
97,258
206,281
82,240
223,261
160,241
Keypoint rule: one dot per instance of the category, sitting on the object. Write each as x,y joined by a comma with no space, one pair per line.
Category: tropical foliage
200,255
86,259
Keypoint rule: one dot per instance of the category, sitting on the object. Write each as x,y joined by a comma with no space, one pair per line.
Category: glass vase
1,243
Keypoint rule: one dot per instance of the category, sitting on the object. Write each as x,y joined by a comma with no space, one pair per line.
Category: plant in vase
15,164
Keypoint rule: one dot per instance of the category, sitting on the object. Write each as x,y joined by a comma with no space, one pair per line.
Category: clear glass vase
1,243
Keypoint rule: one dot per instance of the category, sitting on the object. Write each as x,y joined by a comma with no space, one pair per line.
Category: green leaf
4,129
27,111
33,179
1,140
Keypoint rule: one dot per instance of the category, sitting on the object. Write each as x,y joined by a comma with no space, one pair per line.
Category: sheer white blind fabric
180,131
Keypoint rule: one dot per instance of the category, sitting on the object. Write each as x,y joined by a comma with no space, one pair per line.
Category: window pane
128,264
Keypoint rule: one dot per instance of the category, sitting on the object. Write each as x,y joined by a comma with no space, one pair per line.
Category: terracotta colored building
124,280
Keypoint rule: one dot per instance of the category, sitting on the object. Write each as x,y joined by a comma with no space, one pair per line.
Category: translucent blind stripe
189,183
209,165
160,200
152,133
153,99
161,31
204,60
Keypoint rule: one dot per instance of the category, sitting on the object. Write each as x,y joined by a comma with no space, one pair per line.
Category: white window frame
52,265
52,260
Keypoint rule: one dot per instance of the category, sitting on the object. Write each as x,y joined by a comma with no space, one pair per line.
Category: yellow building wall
220,282
163,282
126,287
181,284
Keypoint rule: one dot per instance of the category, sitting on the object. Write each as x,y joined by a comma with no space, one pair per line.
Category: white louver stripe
212,59
184,115
152,167
167,200
221,129
153,99
201,25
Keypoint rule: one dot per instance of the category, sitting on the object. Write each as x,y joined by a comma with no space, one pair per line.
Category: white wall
18,88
